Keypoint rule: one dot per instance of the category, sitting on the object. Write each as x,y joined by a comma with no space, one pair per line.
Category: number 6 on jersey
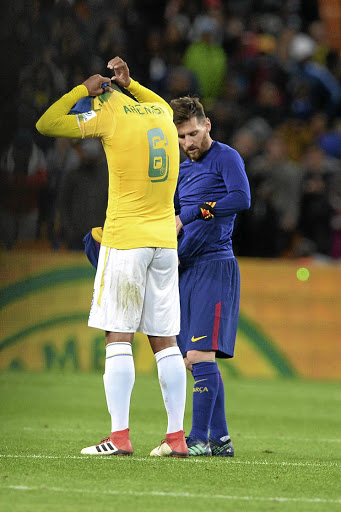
158,158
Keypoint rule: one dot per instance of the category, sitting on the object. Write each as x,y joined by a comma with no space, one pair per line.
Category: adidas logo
105,447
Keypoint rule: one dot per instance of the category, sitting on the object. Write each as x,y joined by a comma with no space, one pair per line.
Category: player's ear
208,124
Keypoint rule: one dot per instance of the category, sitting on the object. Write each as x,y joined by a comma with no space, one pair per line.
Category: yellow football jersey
141,146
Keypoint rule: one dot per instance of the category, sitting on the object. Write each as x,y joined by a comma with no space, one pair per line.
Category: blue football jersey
219,176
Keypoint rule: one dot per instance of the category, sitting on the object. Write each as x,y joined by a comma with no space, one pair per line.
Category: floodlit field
286,435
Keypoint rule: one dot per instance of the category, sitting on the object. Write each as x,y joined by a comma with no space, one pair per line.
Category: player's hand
121,70
188,365
207,212
95,85
178,224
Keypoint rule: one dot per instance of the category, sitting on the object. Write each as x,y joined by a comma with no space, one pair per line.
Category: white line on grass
205,460
287,438
172,494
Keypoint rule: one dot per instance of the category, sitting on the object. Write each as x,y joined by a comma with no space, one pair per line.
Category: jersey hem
110,329
206,257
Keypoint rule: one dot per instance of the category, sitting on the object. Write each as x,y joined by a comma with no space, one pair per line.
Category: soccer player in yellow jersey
136,283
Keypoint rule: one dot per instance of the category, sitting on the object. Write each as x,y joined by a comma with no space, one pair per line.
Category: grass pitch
286,435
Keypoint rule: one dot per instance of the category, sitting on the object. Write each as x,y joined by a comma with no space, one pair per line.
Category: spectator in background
335,201
156,63
179,81
330,139
269,104
73,48
318,34
315,208
211,16
225,115
83,194
26,108
281,178
62,158
175,41
246,142
39,83
23,176
297,134
110,37
256,228
322,89
207,59
263,66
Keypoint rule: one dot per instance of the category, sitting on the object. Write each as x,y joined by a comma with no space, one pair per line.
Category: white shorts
136,290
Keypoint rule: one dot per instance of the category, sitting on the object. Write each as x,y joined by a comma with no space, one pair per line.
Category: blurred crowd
267,71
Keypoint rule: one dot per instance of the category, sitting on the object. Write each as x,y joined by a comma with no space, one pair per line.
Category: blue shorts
209,301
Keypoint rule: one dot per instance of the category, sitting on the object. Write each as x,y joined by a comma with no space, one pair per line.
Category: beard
194,153
198,148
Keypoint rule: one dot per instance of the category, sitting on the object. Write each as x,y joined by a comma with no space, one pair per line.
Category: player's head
193,126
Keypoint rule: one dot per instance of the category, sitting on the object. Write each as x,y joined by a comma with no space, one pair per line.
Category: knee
118,337
159,343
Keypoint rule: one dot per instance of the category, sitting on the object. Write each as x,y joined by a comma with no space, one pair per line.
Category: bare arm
122,78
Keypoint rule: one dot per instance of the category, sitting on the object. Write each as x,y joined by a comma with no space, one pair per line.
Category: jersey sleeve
144,95
56,121
238,197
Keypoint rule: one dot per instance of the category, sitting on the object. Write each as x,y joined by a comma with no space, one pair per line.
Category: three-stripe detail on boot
104,447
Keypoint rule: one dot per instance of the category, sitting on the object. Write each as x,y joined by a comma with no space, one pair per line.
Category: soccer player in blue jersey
212,188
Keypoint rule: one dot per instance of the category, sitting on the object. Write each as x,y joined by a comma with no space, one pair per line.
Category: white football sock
172,378
119,378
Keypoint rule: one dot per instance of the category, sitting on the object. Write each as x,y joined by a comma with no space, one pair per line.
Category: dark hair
185,108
